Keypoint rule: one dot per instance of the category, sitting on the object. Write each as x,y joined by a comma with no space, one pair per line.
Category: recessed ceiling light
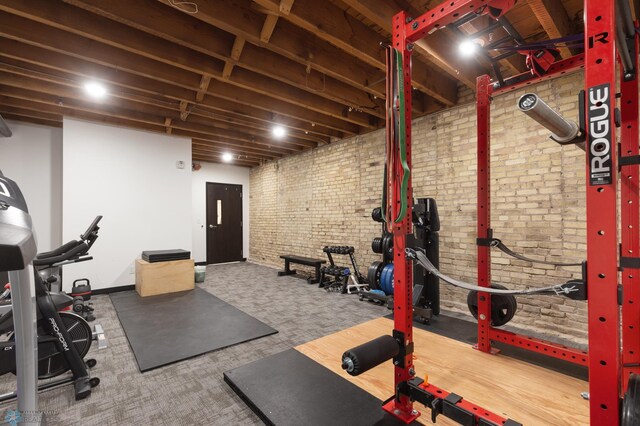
227,157
468,48
279,131
95,90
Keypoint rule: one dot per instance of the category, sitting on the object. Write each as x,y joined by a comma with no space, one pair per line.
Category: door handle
212,226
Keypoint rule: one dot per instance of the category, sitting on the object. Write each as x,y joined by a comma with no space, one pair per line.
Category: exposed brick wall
325,197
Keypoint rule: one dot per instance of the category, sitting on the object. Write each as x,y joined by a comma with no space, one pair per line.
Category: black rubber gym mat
467,331
290,388
173,327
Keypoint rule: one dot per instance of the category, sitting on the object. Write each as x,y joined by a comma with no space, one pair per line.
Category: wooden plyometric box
164,277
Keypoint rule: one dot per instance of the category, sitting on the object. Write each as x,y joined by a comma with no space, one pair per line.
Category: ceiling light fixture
227,157
95,90
468,48
278,131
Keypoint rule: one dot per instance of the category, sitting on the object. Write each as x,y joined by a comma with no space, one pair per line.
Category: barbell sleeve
562,130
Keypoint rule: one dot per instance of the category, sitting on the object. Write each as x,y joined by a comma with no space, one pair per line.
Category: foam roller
368,355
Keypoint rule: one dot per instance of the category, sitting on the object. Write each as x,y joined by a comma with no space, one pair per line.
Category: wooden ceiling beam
151,42
236,51
177,28
25,112
239,148
55,120
238,18
273,147
198,115
204,85
67,106
554,19
48,63
216,159
39,104
269,25
202,115
27,119
438,48
220,151
285,6
249,98
127,52
332,24
30,32
184,110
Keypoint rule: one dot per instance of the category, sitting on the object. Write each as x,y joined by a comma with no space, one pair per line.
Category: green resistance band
404,187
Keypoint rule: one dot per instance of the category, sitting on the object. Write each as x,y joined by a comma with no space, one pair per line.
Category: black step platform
152,256
290,388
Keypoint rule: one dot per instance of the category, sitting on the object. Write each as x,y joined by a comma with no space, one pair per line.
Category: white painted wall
129,177
33,158
217,173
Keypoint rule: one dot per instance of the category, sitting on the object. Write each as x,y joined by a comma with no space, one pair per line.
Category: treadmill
17,250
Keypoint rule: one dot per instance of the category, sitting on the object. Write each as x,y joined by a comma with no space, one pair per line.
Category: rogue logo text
599,118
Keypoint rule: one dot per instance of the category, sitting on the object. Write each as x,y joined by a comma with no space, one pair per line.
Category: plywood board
515,389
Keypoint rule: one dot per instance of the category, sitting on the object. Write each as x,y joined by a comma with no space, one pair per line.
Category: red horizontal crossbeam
562,67
544,347
440,16
478,411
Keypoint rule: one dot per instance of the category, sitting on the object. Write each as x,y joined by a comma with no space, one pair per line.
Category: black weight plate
503,306
387,246
373,275
631,402
376,245
376,214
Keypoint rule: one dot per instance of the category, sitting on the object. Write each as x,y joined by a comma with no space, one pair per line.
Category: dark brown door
224,222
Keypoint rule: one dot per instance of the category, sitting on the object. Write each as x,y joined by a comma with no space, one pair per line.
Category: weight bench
307,261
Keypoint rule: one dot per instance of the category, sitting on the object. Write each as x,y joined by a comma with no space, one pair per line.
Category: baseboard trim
114,289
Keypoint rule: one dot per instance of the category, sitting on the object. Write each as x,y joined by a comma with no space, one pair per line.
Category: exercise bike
49,266
64,338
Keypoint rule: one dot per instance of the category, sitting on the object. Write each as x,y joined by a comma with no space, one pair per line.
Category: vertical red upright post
602,247
402,267
630,232
483,106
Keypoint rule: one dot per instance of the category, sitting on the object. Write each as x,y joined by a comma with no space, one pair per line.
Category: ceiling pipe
621,40
5,131
624,11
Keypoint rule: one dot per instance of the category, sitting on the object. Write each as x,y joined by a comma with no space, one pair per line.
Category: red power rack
609,363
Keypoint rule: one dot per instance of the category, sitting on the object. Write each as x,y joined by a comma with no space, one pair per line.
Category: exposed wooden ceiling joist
225,75
28,119
215,43
554,19
33,109
39,101
330,23
216,159
238,18
175,66
67,93
130,86
221,92
437,48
